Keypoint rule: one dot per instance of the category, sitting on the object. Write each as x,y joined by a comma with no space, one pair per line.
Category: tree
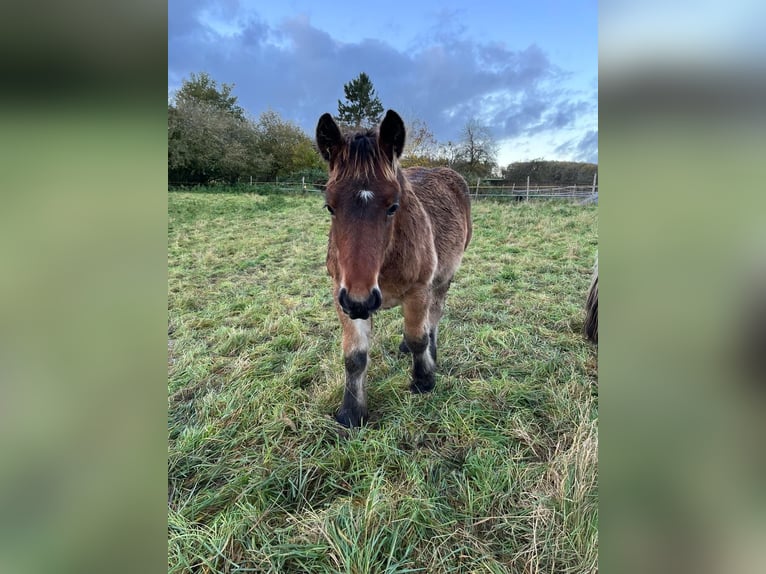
420,139
203,89
478,145
206,144
285,145
363,108
545,172
450,153
477,152
211,140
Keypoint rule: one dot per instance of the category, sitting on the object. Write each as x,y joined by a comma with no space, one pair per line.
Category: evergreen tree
363,108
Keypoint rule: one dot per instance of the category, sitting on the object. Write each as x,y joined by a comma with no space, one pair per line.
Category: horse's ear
329,138
392,135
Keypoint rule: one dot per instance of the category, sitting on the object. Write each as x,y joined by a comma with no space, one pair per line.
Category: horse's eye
330,209
392,209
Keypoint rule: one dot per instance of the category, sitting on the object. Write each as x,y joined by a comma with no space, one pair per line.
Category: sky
661,32
527,70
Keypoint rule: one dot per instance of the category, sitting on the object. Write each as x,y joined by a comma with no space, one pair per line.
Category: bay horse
397,237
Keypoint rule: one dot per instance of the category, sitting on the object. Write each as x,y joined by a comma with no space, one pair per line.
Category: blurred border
83,290
682,117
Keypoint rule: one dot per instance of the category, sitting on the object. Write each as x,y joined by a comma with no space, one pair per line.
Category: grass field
494,471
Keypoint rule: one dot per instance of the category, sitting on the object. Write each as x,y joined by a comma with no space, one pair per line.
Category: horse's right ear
329,138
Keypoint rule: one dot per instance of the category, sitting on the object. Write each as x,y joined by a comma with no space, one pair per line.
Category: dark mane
360,157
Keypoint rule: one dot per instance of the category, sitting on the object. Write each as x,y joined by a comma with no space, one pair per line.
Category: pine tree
363,108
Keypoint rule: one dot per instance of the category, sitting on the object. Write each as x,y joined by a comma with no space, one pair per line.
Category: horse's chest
390,299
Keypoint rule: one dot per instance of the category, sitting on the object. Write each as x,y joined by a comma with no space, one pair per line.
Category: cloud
443,78
584,148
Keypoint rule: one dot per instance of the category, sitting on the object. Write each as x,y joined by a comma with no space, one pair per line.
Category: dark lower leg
404,348
423,365
416,336
353,412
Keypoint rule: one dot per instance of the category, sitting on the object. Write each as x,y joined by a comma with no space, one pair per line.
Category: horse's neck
413,227
410,201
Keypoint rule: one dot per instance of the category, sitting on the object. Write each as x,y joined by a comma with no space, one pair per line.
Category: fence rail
510,192
536,192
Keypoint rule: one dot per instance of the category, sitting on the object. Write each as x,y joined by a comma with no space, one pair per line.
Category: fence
510,192
503,192
513,193
527,192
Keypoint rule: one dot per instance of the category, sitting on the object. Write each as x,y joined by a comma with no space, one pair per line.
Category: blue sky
528,70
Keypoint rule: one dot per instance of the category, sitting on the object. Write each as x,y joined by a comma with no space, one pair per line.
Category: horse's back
446,198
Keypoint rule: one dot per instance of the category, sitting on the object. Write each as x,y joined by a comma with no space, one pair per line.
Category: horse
397,237
590,327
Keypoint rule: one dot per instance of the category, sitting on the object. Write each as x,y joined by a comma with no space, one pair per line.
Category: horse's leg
435,312
356,341
416,337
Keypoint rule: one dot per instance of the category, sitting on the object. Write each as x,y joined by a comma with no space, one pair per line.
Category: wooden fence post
527,188
593,187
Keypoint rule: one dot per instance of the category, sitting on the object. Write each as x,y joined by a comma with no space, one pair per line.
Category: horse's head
363,192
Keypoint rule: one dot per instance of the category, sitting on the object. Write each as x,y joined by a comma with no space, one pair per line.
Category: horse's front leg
356,344
416,337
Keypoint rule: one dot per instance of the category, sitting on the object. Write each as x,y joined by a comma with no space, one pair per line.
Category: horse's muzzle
360,310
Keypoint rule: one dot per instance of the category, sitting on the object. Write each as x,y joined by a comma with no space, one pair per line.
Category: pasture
493,471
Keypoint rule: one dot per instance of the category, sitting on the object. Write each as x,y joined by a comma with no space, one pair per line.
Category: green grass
494,471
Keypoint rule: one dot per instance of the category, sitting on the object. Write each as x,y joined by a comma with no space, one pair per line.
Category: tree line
542,172
212,140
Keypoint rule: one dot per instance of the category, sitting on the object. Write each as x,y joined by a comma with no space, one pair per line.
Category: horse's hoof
350,419
403,348
424,385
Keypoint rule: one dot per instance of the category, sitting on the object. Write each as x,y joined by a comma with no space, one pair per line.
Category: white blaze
366,195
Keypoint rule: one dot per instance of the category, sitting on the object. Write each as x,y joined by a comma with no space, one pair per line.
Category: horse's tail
466,195
468,226
590,328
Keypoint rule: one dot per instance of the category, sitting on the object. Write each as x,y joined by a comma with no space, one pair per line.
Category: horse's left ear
392,135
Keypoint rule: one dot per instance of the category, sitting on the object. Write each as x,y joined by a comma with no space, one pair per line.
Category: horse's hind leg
356,340
417,339
435,312
432,336
438,298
